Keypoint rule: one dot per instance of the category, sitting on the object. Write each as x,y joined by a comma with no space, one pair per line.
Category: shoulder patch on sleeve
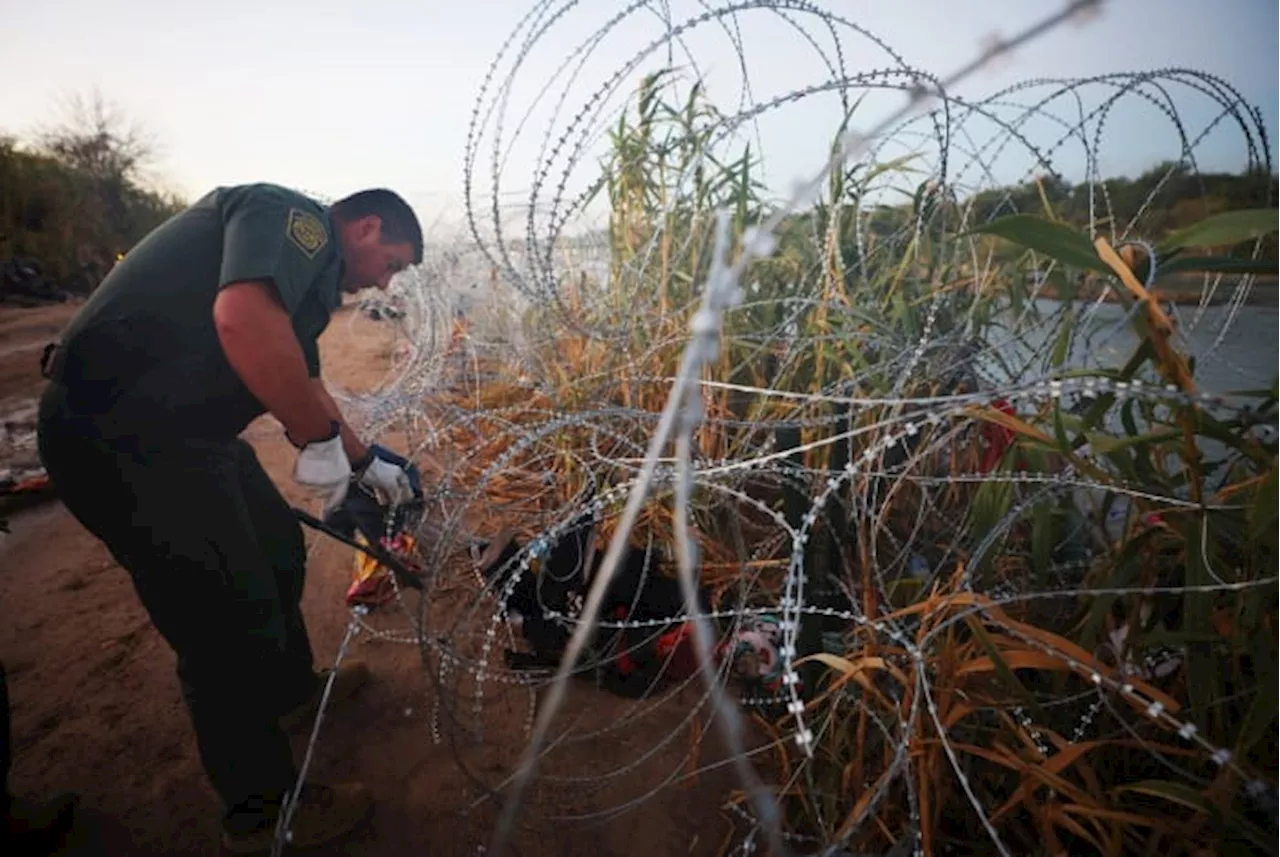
306,231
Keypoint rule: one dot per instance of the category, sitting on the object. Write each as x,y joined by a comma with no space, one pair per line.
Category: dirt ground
96,706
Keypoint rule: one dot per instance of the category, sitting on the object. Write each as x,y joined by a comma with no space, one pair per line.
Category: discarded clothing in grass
655,643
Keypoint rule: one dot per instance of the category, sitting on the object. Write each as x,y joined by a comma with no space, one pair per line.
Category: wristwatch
359,467
335,429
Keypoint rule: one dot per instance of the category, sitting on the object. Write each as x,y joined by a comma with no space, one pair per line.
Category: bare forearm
258,340
355,448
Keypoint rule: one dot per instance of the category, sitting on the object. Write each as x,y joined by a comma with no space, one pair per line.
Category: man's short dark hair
399,223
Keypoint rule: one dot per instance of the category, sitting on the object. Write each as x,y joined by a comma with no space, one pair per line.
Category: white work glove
387,475
323,467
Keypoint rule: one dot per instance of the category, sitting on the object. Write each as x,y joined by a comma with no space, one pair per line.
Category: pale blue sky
333,96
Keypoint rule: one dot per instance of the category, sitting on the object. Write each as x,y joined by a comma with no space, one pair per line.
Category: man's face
369,262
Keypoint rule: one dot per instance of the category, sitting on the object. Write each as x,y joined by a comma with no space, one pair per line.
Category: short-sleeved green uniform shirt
144,345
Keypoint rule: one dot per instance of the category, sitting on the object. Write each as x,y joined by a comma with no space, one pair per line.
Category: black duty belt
65,368
52,360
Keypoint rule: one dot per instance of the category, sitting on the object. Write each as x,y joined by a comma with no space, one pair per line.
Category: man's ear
369,229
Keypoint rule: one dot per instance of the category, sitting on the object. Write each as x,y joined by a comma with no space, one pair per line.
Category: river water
1234,348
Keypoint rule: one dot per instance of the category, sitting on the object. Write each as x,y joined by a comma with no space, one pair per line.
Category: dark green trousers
218,561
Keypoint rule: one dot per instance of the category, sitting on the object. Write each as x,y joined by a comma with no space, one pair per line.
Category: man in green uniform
209,322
